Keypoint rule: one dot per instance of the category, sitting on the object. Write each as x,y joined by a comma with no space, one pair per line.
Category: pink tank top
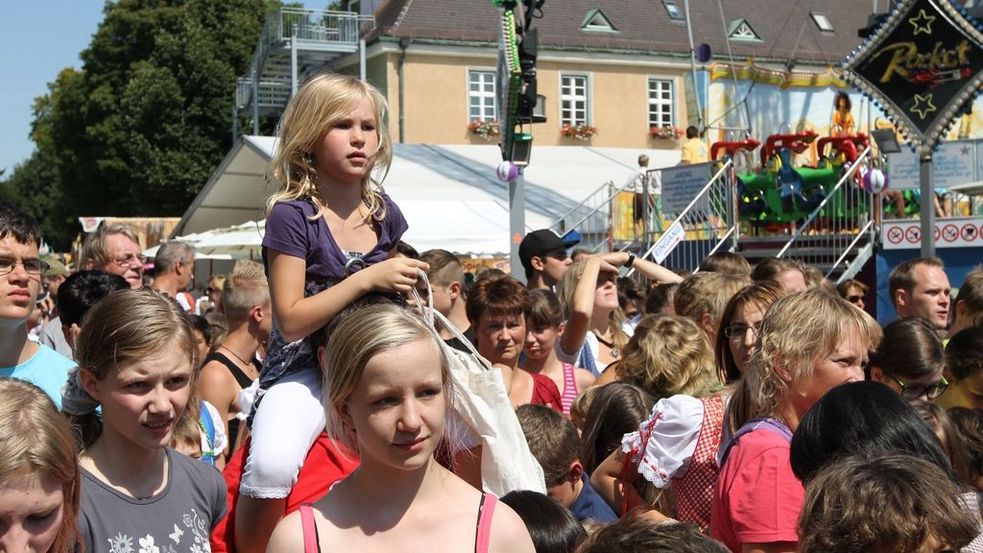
569,388
482,537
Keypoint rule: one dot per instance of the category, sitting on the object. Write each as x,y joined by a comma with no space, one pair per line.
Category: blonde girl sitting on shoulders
386,387
331,237
136,353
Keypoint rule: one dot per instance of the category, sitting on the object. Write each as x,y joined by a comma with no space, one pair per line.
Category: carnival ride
778,194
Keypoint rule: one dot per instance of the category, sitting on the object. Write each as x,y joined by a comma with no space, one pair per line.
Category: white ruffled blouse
674,435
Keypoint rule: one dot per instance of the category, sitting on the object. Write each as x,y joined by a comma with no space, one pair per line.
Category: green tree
138,130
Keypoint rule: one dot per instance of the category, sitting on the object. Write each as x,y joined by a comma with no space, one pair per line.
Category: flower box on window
582,131
485,129
666,133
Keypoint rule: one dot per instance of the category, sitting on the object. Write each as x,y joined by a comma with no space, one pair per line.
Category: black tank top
244,382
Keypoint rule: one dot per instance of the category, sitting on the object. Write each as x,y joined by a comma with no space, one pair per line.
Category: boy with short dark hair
554,442
20,284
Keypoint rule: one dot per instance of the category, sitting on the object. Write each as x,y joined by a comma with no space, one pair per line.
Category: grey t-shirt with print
177,520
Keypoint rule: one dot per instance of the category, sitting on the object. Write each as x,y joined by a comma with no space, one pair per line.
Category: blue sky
40,38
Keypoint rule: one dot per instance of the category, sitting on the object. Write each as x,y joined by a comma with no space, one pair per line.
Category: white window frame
652,104
481,98
564,98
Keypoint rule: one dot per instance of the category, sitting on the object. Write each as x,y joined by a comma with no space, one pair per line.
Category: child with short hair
898,503
554,442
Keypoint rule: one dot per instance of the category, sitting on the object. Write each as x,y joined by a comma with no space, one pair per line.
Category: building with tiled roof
618,66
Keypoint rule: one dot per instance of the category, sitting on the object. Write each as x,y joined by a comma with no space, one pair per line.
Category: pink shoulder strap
485,512
311,543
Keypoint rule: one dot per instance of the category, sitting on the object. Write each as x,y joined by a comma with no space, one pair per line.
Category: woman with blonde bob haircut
386,386
39,474
809,342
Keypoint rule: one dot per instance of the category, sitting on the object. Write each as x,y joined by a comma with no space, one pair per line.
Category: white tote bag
479,398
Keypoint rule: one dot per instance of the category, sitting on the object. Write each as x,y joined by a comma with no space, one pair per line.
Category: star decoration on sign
923,105
923,65
964,151
925,27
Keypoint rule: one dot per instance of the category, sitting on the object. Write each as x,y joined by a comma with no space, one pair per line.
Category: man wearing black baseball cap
544,257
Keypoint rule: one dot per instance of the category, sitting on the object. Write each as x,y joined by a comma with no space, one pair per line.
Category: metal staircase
838,236
294,43
708,224
591,217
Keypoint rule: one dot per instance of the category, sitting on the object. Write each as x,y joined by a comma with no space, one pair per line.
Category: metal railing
321,26
309,27
708,224
838,235
591,217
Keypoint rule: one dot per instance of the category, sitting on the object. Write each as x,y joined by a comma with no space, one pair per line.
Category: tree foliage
139,129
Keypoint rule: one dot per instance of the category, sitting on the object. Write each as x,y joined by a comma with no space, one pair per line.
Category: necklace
234,354
615,352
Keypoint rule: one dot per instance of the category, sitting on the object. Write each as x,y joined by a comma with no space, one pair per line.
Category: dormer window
741,31
822,22
675,13
597,22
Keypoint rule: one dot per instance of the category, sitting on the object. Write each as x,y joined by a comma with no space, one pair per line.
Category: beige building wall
436,102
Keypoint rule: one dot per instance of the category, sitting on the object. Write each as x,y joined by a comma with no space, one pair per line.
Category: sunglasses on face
854,299
739,330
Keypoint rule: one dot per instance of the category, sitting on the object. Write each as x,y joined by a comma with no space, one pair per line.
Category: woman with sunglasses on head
910,360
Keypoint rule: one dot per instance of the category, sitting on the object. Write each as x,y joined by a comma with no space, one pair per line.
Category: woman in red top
496,309
808,343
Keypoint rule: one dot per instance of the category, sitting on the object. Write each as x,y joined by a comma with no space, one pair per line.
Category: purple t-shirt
290,230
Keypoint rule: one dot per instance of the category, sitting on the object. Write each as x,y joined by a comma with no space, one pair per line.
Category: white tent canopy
450,194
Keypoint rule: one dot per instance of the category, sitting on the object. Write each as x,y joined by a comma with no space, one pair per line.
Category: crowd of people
319,399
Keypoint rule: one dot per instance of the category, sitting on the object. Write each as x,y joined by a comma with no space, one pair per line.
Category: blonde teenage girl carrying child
136,353
330,236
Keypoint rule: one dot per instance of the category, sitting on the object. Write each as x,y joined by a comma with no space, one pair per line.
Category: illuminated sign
923,65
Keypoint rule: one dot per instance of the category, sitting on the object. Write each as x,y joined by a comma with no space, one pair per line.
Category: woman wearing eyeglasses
910,360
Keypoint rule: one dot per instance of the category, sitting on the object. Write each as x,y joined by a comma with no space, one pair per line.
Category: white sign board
953,163
964,232
681,184
668,242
